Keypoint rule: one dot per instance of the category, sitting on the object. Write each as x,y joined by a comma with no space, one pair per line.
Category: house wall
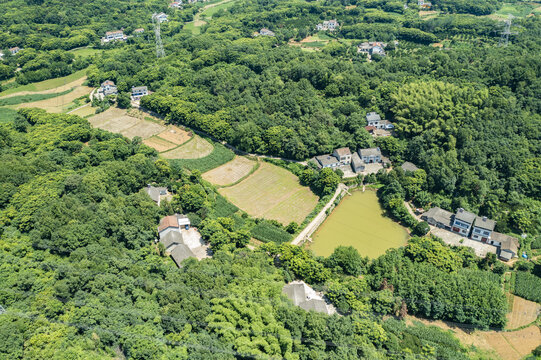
461,227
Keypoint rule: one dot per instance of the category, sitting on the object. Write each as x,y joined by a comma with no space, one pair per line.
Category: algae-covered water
358,221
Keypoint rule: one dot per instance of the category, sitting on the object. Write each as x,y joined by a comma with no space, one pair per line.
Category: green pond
358,221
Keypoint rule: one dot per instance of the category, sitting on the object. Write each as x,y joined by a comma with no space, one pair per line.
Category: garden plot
272,193
514,345
58,104
230,172
524,312
118,121
196,148
159,144
175,135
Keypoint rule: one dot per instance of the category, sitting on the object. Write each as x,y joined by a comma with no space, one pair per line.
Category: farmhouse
329,25
108,87
438,217
482,228
179,240
372,48
176,4
114,36
356,163
508,245
138,31
424,4
370,155
156,193
306,298
327,161
374,119
266,32
137,92
14,50
407,166
162,17
343,155
463,222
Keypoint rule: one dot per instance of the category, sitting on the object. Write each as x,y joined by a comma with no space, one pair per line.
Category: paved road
314,224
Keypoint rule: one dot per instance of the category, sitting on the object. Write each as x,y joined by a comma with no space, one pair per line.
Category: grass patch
86,52
528,286
518,9
223,208
213,10
266,231
196,30
15,100
46,84
219,156
7,115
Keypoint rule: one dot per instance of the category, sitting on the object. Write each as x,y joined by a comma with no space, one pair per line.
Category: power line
159,45
504,39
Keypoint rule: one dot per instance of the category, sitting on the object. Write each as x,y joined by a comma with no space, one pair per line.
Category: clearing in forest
230,172
48,86
118,121
524,312
272,193
196,148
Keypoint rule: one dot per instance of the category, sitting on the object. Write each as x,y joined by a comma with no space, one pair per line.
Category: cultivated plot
524,312
193,149
60,103
159,144
175,135
230,172
272,193
118,121
514,345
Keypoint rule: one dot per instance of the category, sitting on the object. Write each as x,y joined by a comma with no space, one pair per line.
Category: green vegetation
45,85
267,231
21,99
7,115
219,156
528,286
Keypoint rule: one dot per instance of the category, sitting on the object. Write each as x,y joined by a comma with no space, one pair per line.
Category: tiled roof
464,215
168,221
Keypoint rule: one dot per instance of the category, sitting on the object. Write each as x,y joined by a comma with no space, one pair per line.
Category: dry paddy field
230,172
524,312
118,121
196,148
84,111
272,193
60,103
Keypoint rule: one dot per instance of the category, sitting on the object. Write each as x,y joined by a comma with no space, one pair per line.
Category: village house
108,87
357,165
266,32
156,193
482,229
162,17
508,245
14,50
463,222
425,5
327,161
179,240
176,4
138,31
371,155
408,166
374,119
438,217
343,155
307,298
137,92
114,36
371,48
329,25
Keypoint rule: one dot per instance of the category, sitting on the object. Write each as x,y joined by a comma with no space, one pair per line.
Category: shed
408,166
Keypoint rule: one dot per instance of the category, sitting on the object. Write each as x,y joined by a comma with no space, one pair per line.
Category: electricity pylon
159,45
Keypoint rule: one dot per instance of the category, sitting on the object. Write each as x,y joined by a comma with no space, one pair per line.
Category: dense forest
81,275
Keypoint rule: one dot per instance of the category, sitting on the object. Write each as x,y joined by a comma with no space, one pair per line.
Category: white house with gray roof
306,298
482,228
375,120
370,155
438,217
463,222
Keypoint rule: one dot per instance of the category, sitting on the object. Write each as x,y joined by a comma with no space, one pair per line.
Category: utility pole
159,45
504,39
2,310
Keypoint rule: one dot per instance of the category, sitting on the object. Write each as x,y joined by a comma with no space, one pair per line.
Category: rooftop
171,238
167,222
464,215
343,151
484,222
326,160
373,116
507,242
180,253
139,88
370,152
356,160
306,298
440,215
155,192
408,166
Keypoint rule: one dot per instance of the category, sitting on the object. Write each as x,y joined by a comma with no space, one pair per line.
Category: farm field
272,193
60,103
49,86
84,111
193,149
158,143
230,172
175,135
524,312
118,121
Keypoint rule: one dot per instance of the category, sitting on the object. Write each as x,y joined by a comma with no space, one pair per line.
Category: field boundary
179,145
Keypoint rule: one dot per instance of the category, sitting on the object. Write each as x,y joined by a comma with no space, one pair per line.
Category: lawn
193,149
47,84
196,30
231,172
86,52
272,193
211,10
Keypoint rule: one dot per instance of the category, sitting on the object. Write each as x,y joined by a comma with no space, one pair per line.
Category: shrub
528,286
266,231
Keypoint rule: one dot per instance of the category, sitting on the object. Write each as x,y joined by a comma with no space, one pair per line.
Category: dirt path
314,224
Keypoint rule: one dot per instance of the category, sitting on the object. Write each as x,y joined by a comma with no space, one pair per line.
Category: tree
123,100
347,260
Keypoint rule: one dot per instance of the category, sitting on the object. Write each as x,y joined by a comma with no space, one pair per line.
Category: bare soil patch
175,135
524,312
194,149
158,143
230,172
272,193
118,121
514,345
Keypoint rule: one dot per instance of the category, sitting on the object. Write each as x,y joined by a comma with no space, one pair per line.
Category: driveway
452,238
